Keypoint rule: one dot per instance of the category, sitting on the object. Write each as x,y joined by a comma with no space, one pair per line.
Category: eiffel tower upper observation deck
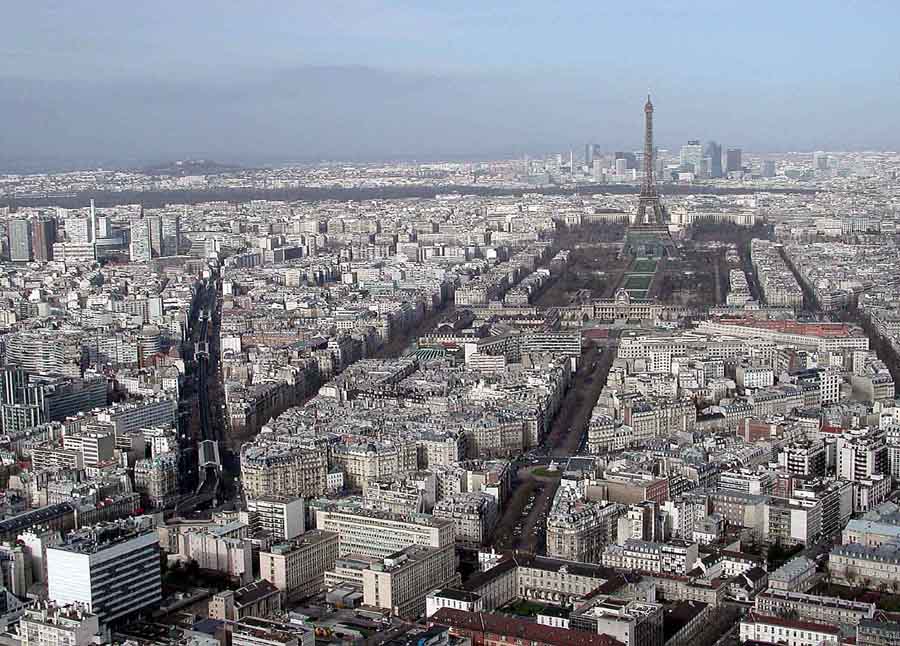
649,234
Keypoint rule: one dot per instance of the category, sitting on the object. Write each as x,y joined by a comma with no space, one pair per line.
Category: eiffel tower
650,210
649,234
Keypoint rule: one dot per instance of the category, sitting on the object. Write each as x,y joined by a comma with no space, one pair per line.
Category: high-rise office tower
650,210
43,235
714,152
692,156
93,224
19,238
704,167
591,152
103,227
768,168
156,235
820,160
78,230
171,235
733,160
630,159
141,249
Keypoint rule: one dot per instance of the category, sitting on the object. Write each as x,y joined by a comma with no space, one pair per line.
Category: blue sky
776,75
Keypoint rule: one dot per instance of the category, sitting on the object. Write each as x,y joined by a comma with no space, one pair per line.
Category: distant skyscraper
155,224
733,160
93,224
141,249
19,237
171,235
768,168
630,159
714,152
43,235
820,161
591,151
692,156
78,230
103,228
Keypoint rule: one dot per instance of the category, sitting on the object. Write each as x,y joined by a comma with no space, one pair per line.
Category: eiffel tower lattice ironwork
650,210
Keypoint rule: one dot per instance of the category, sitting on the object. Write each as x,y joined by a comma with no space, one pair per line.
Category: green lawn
636,281
544,472
637,293
644,266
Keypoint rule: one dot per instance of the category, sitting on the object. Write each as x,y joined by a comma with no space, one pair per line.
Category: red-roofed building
486,629
793,327
820,336
791,632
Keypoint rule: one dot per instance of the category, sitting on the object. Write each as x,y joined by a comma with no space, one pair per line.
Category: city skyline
384,322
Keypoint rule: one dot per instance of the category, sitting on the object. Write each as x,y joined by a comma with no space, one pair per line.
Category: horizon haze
247,84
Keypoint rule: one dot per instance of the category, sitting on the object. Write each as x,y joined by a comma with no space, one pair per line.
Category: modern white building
112,569
280,516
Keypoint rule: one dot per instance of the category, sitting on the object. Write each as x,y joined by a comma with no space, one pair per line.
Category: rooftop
483,622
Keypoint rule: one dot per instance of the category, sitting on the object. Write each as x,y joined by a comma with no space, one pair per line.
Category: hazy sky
256,80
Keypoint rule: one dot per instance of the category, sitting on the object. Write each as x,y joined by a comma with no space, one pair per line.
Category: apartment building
485,627
297,568
95,448
282,517
676,556
157,479
870,533
49,624
812,607
790,632
861,454
258,599
876,566
283,470
401,581
558,582
130,418
473,514
792,521
633,623
746,481
253,631
797,575
370,533
414,493
223,549
578,529
365,462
